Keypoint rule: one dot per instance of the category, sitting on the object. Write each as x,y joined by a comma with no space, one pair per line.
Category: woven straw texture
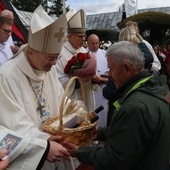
82,135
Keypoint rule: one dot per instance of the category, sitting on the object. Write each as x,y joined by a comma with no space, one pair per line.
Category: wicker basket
82,135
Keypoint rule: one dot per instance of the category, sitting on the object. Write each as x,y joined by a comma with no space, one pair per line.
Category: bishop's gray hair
125,51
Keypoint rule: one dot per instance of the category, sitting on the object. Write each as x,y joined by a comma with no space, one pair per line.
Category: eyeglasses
49,59
6,31
80,36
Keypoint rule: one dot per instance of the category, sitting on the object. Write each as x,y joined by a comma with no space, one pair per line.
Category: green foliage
53,7
56,7
26,5
153,26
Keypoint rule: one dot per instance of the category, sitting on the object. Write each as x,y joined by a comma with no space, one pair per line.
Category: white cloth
156,65
102,68
5,53
31,149
19,103
10,41
67,53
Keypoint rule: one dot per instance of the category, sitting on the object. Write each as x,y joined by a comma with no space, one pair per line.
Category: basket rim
64,129
68,130
60,128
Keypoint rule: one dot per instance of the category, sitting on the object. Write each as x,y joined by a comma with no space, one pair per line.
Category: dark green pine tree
53,7
26,5
56,7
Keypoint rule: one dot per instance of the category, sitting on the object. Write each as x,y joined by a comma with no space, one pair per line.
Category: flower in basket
76,62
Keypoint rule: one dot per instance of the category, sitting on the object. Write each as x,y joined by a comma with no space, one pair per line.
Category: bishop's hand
56,152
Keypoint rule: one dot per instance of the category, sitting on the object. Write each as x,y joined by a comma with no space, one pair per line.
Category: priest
30,92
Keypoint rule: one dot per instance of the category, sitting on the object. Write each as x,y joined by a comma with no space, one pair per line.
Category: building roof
96,21
110,20
24,16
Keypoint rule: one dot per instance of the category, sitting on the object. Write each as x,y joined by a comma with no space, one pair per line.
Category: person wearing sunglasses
5,32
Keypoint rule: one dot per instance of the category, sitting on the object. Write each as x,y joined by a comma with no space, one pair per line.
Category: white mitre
77,22
46,34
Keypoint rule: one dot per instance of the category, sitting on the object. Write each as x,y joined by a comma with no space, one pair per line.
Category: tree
53,7
26,5
56,7
153,26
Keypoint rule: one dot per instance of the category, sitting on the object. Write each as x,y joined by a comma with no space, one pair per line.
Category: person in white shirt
102,67
9,15
30,92
5,32
71,47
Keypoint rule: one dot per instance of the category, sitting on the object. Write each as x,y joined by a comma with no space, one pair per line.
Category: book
12,142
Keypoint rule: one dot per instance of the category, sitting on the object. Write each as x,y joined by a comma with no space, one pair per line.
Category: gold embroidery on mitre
59,34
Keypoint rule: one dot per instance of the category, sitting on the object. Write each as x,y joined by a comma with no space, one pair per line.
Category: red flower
81,57
76,62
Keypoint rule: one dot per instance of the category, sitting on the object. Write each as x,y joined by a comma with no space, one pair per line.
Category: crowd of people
130,80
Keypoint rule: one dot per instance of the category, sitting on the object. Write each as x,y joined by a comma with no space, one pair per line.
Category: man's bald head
93,42
8,14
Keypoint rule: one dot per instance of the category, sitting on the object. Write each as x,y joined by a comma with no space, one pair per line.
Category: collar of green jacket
119,92
143,82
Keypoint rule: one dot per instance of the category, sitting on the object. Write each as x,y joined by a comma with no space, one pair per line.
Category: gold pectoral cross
40,108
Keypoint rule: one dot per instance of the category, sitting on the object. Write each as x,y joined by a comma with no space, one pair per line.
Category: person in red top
167,51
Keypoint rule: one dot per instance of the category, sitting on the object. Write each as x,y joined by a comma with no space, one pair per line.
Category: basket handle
64,100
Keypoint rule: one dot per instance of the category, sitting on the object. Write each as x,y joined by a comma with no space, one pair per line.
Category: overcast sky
104,6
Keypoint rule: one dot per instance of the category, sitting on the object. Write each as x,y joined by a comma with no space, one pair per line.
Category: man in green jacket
138,136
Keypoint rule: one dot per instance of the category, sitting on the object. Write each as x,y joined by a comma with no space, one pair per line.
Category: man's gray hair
125,51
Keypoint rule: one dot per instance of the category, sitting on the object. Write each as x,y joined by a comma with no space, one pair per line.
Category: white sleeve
156,65
10,41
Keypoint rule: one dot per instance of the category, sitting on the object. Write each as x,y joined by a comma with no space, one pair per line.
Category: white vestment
5,53
10,41
19,102
67,53
102,68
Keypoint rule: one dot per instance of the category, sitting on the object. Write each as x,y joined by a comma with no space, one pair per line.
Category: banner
130,7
